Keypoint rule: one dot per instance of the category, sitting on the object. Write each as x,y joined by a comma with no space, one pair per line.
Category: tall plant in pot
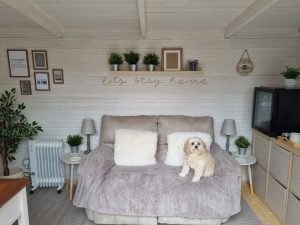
291,74
132,58
74,141
14,127
151,60
115,59
242,143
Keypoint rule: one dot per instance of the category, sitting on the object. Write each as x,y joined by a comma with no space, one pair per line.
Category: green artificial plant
115,58
291,72
242,142
14,127
131,57
151,58
74,140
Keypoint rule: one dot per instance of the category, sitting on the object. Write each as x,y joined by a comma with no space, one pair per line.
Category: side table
72,159
246,160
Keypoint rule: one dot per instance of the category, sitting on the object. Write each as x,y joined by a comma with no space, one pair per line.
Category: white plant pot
15,172
290,83
115,67
133,67
150,67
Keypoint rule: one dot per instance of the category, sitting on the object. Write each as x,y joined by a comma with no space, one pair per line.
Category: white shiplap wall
227,95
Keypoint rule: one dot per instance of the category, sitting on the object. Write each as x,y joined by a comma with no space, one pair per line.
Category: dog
197,157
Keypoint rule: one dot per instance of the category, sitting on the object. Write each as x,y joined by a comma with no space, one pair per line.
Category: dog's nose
196,146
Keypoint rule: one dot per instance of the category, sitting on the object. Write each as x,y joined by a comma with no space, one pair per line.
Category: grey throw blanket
157,190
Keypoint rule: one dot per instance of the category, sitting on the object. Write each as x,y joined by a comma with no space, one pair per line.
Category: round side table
72,159
246,160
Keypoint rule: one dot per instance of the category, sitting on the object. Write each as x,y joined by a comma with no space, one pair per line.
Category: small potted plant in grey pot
132,58
242,143
115,60
151,60
74,141
291,74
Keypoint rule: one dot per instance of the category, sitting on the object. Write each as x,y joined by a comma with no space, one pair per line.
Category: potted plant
290,74
151,60
74,141
132,58
14,128
242,143
115,59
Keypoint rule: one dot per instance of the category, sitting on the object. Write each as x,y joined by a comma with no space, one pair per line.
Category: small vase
242,151
74,149
133,67
290,83
115,67
151,67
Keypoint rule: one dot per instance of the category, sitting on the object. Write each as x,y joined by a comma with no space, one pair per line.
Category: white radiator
45,164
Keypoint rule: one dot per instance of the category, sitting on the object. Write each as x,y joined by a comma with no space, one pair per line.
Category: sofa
113,194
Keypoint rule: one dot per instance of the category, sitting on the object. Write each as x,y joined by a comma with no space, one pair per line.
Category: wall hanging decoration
58,76
192,65
25,87
39,59
18,62
171,59
245,65
41,80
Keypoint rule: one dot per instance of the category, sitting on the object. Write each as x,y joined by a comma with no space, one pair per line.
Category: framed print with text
58,76
42,82
18,62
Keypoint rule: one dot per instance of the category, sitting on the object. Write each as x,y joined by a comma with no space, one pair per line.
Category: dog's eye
192,143
198,143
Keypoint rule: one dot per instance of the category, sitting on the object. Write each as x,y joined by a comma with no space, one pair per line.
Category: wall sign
18,62
245,65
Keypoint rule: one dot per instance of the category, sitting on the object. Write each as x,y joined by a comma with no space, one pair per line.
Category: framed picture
171,59
58,76
39,59
18,62
41,80
25,87
192,65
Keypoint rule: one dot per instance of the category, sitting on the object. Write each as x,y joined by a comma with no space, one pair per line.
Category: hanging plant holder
245,65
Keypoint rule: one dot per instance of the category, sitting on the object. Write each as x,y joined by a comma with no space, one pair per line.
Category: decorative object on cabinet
171,59
18,62
39,59
151,60
288,142
192,65
88,128
115,60
58,76
25,87
228,129
245,65
132,58
41,80
242,143
15,127
74,141
291,74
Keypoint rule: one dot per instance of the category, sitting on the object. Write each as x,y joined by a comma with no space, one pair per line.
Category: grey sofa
100,198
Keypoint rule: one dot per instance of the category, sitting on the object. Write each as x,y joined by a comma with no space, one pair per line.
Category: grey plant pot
115,67
242,151
151,67
290,83
133,67
74,149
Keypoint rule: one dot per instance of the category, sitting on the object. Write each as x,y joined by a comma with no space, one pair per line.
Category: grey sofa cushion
110,123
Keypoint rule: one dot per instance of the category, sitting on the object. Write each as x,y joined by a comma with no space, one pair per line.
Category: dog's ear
204,148
187,145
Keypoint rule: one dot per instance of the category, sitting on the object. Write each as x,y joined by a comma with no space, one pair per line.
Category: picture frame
41,80
25,87
58,76
39,59
192,65
18,63
171,59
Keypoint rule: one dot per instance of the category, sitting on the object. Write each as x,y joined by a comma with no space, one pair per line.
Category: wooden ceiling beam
255,9
31,11
142,17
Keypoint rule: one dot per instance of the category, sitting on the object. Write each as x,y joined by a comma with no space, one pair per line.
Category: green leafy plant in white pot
115,60
14,128
291,74
151,60
132,58
242,143
74,141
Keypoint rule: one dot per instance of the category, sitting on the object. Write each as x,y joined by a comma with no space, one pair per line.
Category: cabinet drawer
295,179
259,181
293,215
279,164
276,197
261,150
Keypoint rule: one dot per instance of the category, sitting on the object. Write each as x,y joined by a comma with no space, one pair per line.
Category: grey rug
46,207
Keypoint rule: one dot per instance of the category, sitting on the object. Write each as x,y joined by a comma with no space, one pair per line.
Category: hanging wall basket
245,65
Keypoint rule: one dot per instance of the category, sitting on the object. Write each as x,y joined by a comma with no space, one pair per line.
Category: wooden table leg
71,182
250,179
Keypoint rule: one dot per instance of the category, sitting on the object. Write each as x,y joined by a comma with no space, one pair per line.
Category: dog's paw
181,175
195,179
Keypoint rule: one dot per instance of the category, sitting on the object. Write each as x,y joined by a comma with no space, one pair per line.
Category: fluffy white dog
197,157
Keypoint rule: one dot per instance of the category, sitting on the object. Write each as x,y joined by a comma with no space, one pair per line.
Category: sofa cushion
172,124
110,123
176,141
135,147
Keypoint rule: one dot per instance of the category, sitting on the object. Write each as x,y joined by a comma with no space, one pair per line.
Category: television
276,110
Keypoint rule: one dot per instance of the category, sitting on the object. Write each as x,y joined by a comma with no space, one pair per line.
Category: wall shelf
144,72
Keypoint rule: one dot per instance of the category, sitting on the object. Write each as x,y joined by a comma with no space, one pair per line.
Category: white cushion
176,141
135,147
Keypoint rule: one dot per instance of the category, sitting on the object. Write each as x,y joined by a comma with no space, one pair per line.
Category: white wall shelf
159,72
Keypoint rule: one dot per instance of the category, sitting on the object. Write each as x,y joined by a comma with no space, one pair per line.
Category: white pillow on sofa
176,141
135,147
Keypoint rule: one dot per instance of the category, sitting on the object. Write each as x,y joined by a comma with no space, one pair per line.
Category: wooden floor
260,208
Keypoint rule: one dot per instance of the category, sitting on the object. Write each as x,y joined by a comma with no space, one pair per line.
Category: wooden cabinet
259,181
293,215
295,176
261,149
